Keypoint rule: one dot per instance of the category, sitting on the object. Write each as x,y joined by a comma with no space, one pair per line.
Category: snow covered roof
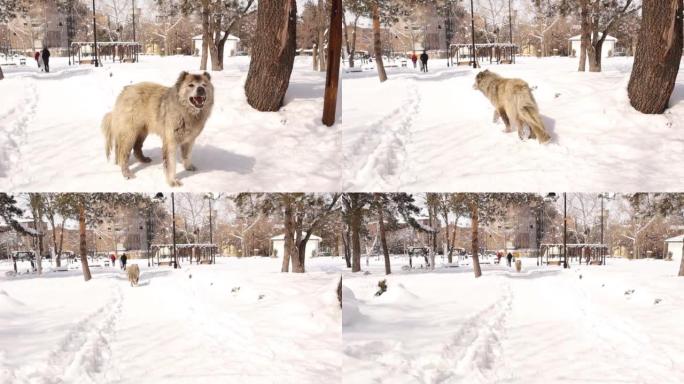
676,239
282,237
230,37
579,38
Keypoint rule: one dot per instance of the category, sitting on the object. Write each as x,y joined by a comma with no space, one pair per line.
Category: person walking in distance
414,59
424,61
46,59
123,261
509,258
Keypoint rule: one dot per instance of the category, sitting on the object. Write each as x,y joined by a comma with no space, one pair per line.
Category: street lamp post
95,37
472,31
135,47
565,230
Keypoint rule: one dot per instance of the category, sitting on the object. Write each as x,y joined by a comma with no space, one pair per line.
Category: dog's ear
180,80
207,75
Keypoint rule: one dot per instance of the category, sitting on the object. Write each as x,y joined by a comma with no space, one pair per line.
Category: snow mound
7,302
350,307
397,293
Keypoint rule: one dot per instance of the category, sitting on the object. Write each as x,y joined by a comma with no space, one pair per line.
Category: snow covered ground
434,132
240,321
619,323
50,137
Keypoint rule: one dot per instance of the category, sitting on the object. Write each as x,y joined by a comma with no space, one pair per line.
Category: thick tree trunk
446,237
658,56
356,240
1,75
681,263
339,291
595,56
297,257
82,242
206,35
272,54
377,44
289,246
347,248
586,34
475,222
383,237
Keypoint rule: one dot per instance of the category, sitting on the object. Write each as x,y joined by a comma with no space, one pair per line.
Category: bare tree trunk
289,246
314,56
297,257
82,242
475,222
383,238
681,263
446,237
586,34
356,240
206,35
1,75
377,44
322,26
272,54
346,239
595,56
339,291
658,56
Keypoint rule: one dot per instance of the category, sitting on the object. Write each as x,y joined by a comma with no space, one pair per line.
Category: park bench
86,61
205,262
128,60
554,262
62,268
165,263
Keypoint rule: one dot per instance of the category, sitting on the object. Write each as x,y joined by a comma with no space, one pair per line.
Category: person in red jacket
113,258
37,57
414,59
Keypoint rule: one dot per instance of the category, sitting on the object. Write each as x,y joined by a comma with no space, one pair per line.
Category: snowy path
173,328
432,131
538,327
51,141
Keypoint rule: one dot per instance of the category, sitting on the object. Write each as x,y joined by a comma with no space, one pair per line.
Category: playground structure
125,51
593,254
501,53
200,253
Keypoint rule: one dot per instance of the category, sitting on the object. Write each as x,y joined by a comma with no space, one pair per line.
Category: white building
674,247
607,51
278,245
230,49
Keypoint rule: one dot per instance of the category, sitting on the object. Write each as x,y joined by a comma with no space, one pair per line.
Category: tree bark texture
272,54
657,57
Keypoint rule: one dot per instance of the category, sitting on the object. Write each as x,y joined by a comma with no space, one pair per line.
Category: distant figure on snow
123,261
414,59
113,259
509,258
423,61
46,59
39,60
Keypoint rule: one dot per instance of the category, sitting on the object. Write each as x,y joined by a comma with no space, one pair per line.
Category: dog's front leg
169,151
186,152
495,118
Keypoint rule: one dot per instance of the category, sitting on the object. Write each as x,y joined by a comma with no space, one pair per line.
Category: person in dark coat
46,59
123,261
423,61
509,258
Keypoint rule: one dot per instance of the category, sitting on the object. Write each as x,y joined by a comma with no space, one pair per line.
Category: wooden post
332,76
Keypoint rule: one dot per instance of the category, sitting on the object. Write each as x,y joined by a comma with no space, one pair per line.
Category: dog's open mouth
198,101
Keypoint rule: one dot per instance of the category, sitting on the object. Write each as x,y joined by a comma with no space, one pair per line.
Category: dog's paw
175,183
191,168
145,159
128,174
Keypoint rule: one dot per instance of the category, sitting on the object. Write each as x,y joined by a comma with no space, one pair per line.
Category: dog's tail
529,114
107,132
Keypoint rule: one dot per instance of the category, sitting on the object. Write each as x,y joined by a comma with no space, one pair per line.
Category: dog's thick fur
513,102
177,114
133,272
